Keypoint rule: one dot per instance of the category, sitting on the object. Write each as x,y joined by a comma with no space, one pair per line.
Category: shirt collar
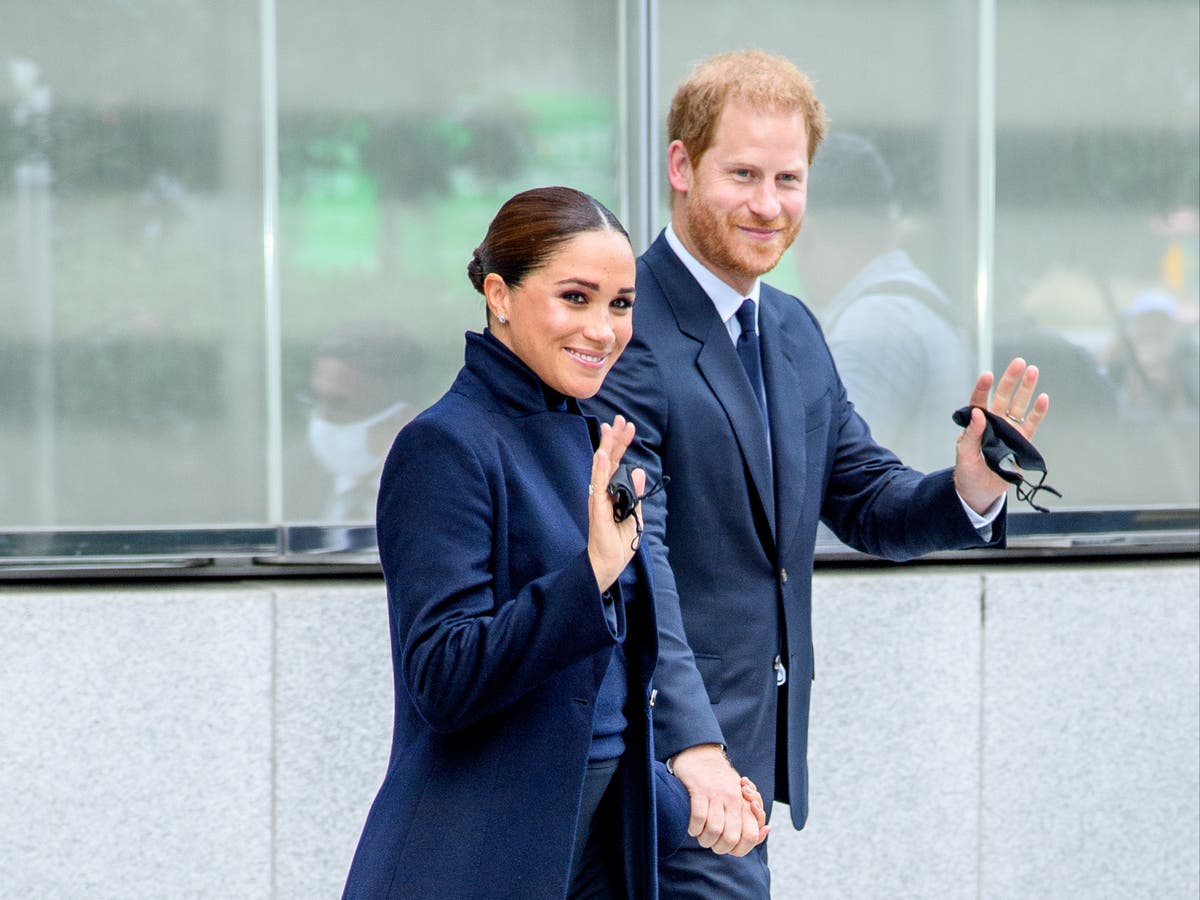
723,297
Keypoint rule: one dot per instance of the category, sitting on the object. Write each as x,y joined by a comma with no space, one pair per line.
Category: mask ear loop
637,518
1027,490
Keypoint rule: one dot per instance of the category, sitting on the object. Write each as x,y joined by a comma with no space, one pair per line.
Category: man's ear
495,292
679,167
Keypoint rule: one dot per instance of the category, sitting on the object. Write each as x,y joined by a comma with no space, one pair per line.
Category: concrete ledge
333,726
1091,783
894,750
135,742
998,731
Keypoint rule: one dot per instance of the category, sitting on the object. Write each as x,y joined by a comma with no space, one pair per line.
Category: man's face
341,395
338,391
743,203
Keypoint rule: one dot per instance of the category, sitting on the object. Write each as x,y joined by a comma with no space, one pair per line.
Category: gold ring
1010,416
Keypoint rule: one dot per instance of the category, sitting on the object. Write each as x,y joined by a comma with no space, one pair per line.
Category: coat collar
693,310
497,374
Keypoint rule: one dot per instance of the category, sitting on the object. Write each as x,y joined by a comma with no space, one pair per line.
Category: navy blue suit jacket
499,644
741,519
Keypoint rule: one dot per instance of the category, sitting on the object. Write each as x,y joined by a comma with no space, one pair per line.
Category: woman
523,639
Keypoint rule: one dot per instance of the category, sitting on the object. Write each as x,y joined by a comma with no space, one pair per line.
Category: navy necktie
747,349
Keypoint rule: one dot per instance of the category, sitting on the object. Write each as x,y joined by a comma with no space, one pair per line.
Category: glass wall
131,311
233,236
1086,264
135,363
1097,186
401,132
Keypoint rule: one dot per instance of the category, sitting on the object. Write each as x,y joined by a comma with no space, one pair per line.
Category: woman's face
570,319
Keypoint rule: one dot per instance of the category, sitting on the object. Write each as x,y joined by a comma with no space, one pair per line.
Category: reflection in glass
132,355
397,145
355,403
1097,188
130,351
901,344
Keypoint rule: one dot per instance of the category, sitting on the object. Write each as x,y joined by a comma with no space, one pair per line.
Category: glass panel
887,254
399,140
132,342
131,326
1097,192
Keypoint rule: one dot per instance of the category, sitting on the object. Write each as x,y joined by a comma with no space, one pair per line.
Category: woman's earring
501,320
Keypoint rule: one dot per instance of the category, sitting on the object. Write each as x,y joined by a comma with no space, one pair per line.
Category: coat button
783,575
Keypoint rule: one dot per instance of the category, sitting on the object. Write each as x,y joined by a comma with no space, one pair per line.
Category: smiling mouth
590,359
761,234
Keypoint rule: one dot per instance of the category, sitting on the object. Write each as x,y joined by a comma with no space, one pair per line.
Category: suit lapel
785,405
718,363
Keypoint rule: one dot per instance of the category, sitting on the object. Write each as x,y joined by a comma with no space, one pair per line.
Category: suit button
783,575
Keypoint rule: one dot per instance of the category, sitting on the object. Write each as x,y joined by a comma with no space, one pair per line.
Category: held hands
978,485
611,544
727,810
751,795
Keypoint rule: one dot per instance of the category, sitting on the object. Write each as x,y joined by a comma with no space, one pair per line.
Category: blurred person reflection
358,398
899,342
1153,359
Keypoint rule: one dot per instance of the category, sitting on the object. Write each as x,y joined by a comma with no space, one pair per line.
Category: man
753,469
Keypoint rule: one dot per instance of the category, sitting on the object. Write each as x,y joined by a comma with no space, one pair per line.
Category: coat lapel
718,363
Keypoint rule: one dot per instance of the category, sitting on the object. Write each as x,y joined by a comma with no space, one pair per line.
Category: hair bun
475,270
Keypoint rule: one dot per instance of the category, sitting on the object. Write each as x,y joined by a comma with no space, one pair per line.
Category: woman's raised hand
611,544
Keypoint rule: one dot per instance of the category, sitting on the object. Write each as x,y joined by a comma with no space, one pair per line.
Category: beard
722,247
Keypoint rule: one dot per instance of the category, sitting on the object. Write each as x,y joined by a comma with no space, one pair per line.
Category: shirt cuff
983,523
614,611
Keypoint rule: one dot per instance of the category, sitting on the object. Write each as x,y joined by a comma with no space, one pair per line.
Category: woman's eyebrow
591,285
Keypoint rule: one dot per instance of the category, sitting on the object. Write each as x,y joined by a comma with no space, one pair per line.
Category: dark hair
851,172
529,228
386,354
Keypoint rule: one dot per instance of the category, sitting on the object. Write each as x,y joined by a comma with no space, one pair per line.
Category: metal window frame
325,549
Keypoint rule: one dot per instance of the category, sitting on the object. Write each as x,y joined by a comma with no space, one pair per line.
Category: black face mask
1007,451
625,497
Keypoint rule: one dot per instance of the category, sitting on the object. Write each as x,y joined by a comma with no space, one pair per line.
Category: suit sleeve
876,504
463,652
683,716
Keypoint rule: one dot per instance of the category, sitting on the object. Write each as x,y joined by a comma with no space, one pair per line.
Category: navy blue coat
499,645
741,521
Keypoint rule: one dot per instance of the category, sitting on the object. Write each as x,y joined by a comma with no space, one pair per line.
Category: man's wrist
981,520
670,763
